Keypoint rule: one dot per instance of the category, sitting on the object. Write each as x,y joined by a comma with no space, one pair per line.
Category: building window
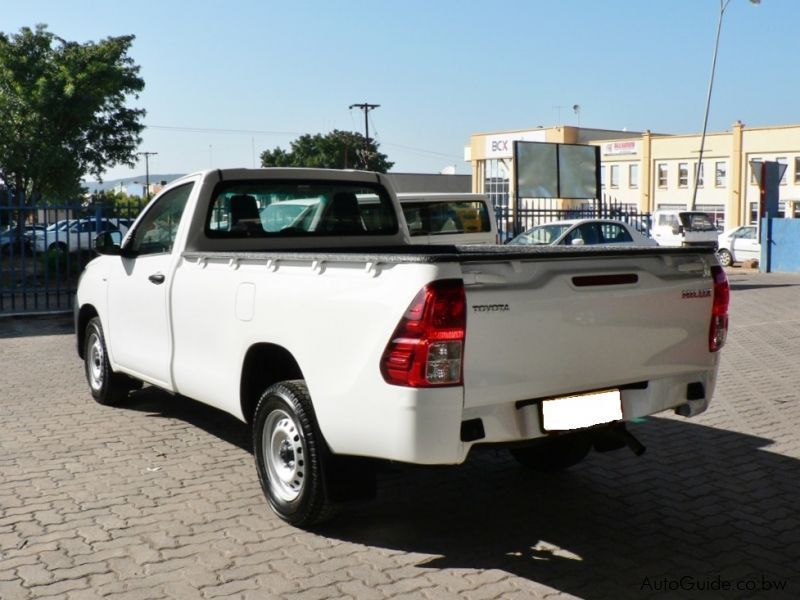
720,174
755,165
797,170
633,176
782,160
496,183
683,175
662,175
613,172
699,178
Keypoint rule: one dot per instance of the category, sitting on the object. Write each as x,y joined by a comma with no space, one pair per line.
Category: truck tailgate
547,328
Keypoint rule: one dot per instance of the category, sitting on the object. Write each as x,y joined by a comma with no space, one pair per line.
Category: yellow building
649,171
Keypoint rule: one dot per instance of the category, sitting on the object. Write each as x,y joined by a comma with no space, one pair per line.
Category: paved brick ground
160,500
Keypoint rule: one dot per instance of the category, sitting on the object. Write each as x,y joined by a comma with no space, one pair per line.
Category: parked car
441,218
684,228
580,232
738,244
70,235
9,243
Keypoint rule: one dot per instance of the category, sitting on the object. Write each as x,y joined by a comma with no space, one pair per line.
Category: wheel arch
264,364
85,314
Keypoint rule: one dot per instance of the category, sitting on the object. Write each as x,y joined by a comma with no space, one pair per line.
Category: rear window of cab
269,208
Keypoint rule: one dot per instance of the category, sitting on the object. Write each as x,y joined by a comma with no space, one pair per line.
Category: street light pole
147,156
366,108
723,4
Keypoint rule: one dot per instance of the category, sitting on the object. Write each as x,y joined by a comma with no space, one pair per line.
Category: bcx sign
502,145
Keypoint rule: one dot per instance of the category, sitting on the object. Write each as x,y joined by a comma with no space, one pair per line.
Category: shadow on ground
703,504
26,326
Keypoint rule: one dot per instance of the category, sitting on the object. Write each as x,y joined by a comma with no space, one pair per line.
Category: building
649,171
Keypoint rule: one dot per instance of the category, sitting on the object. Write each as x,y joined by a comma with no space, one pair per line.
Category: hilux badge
688,294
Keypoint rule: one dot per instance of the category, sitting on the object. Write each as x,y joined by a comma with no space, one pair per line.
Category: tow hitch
616,437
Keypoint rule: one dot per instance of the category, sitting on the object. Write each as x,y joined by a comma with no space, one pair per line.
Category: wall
785,247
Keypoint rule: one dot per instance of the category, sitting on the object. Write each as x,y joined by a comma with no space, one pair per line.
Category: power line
215,130
266,132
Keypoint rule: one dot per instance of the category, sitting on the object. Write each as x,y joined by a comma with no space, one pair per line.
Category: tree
335,150
64,113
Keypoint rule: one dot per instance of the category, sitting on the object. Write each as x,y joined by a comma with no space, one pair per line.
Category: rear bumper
426,426
688,394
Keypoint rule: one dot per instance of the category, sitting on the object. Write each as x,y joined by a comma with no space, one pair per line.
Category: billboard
545,170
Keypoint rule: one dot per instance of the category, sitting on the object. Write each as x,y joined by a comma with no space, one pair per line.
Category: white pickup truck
336,339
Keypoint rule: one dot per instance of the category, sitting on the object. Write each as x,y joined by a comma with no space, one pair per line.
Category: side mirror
577,242
677,229
108,243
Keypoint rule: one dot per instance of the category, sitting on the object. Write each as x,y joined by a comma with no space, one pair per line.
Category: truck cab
684,228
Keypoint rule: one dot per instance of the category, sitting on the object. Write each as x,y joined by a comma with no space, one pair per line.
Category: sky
225,80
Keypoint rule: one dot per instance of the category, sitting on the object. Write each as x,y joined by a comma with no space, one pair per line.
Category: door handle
157,278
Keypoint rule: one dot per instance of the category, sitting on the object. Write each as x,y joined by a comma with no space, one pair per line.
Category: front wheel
725,258
291,456
107,387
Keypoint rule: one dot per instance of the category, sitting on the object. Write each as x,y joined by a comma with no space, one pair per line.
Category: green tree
334,150
64,112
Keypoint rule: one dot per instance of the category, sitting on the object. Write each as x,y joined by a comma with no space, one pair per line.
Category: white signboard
618,148
502,144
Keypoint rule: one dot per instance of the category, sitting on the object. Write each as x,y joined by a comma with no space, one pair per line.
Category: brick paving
159,499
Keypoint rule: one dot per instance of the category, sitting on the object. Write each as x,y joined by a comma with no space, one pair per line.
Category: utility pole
147,156
366,108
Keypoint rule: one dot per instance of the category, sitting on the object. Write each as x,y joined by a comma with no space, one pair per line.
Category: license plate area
581,410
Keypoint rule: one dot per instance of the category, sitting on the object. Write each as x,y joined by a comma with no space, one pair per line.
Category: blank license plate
585,410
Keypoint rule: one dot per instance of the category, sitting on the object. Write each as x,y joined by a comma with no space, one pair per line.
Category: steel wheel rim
95,361
283,448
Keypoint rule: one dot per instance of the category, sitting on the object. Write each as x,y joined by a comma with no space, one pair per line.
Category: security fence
44,249
511,223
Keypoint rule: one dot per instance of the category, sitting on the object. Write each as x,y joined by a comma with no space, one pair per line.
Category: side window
615,234
155,233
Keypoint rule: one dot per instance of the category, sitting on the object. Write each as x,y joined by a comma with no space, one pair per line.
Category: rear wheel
725,257
554,455
106,386
291,456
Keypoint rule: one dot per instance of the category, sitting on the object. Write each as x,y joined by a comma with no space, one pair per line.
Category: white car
73,235
738,244
583,232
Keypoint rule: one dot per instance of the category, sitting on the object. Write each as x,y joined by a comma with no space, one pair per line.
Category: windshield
542,234
452,216
697,221
59,225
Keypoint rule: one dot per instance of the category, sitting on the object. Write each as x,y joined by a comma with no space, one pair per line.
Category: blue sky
268,71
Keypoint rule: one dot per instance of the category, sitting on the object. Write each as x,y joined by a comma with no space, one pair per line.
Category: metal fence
511,223
44,249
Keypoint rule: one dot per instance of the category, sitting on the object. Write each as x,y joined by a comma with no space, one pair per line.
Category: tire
725,258
108,388
556,454
291,456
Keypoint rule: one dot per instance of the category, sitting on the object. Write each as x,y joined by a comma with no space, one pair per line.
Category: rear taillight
427,347
719,311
